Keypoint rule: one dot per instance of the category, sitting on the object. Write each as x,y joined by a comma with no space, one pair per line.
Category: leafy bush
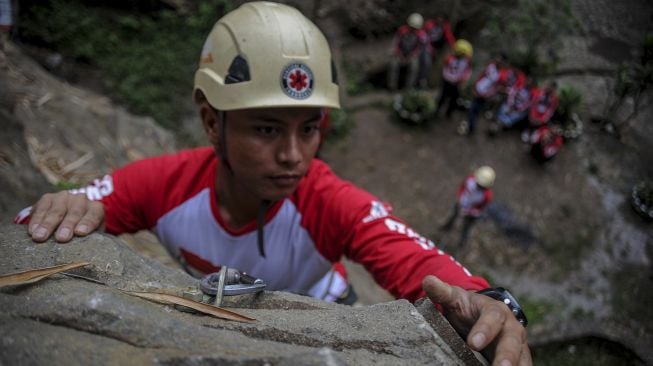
632,80
355,75
530,31
644,193
148,60
340,124
414,106
569,99
641,199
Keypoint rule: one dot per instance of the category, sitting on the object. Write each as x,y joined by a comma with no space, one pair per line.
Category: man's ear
210,122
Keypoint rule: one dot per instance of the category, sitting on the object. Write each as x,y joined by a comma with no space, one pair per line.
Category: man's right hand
65,215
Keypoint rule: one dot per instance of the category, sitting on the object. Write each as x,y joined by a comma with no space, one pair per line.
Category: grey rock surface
69,320
72,135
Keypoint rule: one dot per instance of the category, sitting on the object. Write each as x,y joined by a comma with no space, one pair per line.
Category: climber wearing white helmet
257,199
474,194
408,45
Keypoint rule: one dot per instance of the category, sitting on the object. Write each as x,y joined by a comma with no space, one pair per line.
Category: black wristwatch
503,295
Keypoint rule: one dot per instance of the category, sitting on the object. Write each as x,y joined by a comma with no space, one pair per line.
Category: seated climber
545,142
514,110
544,103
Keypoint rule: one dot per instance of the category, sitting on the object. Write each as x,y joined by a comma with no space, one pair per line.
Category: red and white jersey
511,78
519,98
543,105
548,141
472,198
325,219
487,83
456,69
438,33
409,42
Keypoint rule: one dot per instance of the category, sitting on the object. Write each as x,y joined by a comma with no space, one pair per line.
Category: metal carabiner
230,282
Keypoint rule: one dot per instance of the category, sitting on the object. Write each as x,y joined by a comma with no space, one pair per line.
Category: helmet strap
260,224
222,146
265,204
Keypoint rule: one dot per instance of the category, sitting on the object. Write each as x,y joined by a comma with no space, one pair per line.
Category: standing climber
474,194
439,35
485,87
408,46
456,69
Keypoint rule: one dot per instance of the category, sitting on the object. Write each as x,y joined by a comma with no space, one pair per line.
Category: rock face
19,181
67,320
68,134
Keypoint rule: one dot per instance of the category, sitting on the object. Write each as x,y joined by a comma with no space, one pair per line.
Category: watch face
503,295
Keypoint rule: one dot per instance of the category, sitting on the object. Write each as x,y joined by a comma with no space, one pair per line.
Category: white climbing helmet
266,54
415,20
485,176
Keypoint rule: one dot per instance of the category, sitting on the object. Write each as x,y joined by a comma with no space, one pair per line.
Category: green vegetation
569,100
644,191
530,31
537,310
340,125
66,185
631,80
356,79
147,60
414,107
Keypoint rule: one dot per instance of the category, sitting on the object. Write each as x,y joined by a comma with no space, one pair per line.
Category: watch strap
503,295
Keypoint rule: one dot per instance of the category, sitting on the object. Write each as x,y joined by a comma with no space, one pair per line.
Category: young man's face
270,149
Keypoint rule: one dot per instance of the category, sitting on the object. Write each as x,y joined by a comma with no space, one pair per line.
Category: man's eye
310,129
267,130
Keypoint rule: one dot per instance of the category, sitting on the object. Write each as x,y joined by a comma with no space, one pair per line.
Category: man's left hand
487,324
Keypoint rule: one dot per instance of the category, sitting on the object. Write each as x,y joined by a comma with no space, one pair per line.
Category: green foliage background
570,98
530,32
147,61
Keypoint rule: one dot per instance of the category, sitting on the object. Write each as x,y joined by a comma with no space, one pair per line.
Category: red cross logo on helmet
297,81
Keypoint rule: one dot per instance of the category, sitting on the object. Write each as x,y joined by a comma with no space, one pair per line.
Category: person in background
439,32
258,200
511,77
546,142
486,86
514,110
474,194
409,44
439,35
456,69
543,104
